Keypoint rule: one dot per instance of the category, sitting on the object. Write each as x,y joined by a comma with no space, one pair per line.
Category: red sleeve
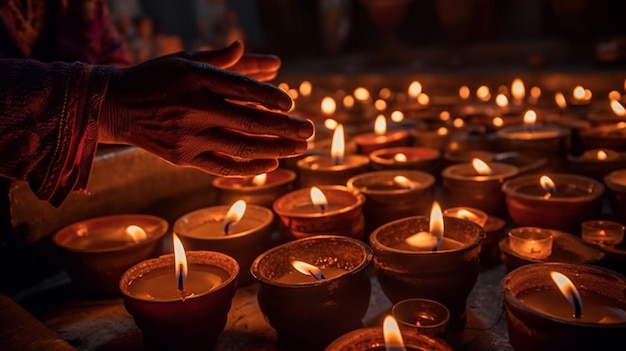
49,124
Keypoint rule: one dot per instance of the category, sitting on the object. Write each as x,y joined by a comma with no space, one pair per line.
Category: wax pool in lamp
225,223
107,238
588,307
434,239
304,272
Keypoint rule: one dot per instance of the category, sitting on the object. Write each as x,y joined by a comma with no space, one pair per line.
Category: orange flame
434,237
497,122
578,93
464,92
617,108
601,155
517,89
481,167
305,88
234,214
483,93
397,116
318,199
502,100
530,117
180,262
361,94
380,125
569,291
337,147
137,233
308,269
392,335
380,105
400,157
259,179
403,181
348,101
328,106
548,185
560,100
415,88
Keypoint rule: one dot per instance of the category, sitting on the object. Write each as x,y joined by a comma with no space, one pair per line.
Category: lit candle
558,201
381,138
407,157
541,317
433,239
96,252
446,275
240,230
303,213
616,185
393,194
333,169
530,242
260,190
615,114
518,90
477,185
471,214
295,301
180,300
601,232
596,163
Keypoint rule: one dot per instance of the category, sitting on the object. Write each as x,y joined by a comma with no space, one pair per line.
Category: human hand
191,113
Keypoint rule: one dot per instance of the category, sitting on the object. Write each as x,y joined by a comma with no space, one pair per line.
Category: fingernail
305,130
300,147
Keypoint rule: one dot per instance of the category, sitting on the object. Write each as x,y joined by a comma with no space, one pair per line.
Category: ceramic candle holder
370,142
616,185
539,318
203,230
278,182
539,141
531,243
575,200
590,165
446,275
463,186
494,232
611,137
422,316
96,252
372,339
319,170
299,218
417,158
432,138
308,313
166,320
387,200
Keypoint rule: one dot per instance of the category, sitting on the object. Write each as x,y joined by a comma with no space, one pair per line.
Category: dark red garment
52,85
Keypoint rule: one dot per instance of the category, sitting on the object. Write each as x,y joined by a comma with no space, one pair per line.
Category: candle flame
136,233
588,95
403,181
392,335
481,167
423,99
502,100
458,123
259,179
601,155
348,101
234,215
415,88
444,115
180,262
617,108
548,185
569,291
517,89
615,95
482,93
400,157
530,117
380,125
330,123
578,93
397,116
293,93
318,199
380,105
497,122
384,93
442,131
283,86
434,237
328,106
337,147
361,94
535,92
308,269
305,88
560,100
464,92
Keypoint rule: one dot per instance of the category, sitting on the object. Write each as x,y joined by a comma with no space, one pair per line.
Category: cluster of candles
368,196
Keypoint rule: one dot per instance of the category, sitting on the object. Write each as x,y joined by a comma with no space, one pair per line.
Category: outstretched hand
193,109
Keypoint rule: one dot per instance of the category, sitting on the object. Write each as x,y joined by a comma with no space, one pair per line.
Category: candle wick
227,226
319,276
180,277
578,308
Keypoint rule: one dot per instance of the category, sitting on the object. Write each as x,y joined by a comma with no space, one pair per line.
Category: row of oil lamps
330,204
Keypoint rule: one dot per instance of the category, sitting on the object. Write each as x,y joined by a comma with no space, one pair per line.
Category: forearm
48,124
